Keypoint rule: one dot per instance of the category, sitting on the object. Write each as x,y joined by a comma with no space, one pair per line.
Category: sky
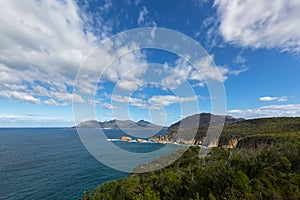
252,49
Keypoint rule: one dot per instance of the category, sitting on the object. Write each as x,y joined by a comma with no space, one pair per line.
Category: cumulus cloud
43,43
268,98
42,34
166,100
268,111
19,96
126,65
260,24
133,101
128,76
154,102
177,74
204,71
54,102
125,99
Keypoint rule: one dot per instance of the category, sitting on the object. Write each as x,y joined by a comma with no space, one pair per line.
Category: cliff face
162,139
228,143
192,130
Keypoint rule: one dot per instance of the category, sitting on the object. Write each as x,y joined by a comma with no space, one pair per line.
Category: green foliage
273,173
279,126
270,171
276,125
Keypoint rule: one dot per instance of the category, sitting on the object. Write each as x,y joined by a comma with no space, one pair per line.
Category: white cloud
207,70
260,23
43,43
19,96
125,99
238,71
166,100
130,85
204,71
210,28
54,102
268,98
129,100
239,59
177,74
42,34
282,99
268,111
155,102
142,104
142,14
108,106
31,120
128,68
152,33
133,66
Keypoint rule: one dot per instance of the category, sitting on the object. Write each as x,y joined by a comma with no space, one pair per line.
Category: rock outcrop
228,143
162,139
126,138
193,129
139,140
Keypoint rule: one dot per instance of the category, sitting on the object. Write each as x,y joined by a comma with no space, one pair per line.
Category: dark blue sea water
52,163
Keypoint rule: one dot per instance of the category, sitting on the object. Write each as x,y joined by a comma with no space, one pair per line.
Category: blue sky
252,47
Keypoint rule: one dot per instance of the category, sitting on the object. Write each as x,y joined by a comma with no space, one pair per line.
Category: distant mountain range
117,124
203,120
191,122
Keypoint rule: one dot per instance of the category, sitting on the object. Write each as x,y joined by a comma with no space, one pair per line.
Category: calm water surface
52,163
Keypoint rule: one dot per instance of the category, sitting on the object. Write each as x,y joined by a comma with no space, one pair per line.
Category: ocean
52,163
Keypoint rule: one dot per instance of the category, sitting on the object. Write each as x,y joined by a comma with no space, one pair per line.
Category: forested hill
202,120
264,165
235,130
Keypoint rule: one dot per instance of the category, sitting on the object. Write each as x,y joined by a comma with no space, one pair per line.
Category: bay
52,163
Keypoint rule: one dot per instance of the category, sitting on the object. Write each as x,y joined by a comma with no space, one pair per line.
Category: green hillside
277,126
265,165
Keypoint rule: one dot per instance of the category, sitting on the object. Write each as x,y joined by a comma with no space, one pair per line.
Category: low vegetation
265,165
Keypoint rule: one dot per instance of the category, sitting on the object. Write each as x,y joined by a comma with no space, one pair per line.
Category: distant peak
143,121
116,123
